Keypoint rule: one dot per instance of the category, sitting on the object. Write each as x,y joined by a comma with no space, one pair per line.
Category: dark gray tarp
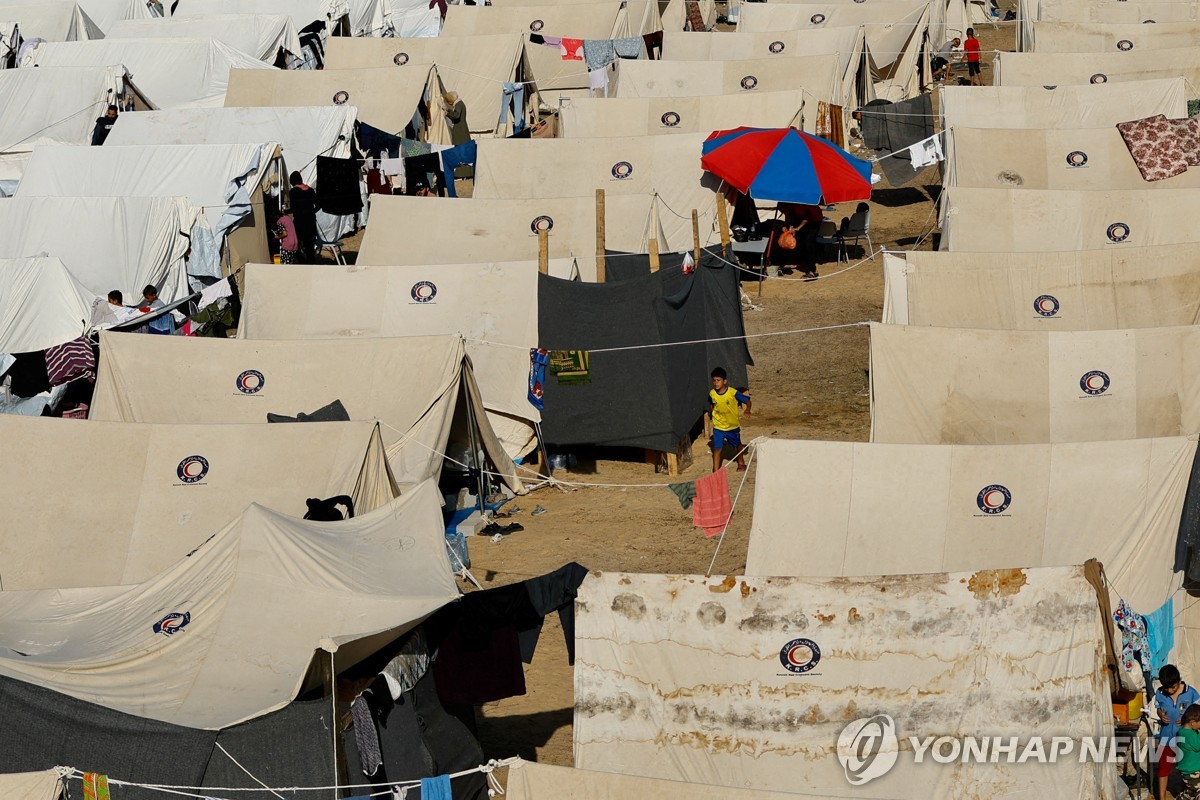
1187,552
652,396
289,747
891,128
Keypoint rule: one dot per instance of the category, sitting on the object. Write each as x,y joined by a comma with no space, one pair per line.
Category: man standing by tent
104,125
303,202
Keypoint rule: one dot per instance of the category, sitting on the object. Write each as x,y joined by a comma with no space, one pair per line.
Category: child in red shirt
971,48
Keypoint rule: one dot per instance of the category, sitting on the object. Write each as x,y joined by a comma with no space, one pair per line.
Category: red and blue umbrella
787,166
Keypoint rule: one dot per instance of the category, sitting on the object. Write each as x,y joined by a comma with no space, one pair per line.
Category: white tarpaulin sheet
1074,37
157,492
1075,69
748,682
1135,287
412,19
1022,220
46,785
55,105
261,36
172,73
411,385
477,67
1044,158
228,633
969,507
1098,106
1018,387
52,20
121,243
528,780
492,306
105,12
590,117
41,305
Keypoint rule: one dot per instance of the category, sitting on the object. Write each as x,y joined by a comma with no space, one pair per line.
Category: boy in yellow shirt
724,405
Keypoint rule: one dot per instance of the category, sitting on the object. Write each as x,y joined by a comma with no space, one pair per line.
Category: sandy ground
806,385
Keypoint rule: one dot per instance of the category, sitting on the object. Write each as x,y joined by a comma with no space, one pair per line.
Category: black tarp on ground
652,396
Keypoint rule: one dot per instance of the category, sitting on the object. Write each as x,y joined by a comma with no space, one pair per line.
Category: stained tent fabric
411,385
1099,106
52,20
1017,387
44,785
724,680
227,634
121,243
492,306
59,105
600,117
474,66
173,73
1136,287
1031,220
1082,37
171,488
670,382
385,98
529,780
1048,158
41,304
260,36
1078,69
548,168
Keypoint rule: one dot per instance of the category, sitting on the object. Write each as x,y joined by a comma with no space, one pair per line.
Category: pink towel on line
711,508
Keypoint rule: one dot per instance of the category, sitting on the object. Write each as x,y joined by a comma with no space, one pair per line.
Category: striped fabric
66,362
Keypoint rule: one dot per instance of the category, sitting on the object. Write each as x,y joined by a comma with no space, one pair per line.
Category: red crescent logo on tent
1046,305
776,47
1099,77
251,382
817,19
423,291
1094,382
993,499
670,119
622,170
192,469
1077,158
341,98
536,25
800,655
400,60
172,623
1124,44
1118,232
542,223
749,82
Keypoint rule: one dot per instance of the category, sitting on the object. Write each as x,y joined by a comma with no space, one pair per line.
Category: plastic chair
837,239
860,228
334,248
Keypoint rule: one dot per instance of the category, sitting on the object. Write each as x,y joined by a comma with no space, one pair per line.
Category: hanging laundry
409,665
654,43
571,366
537,38
629,46
554,591
426,169
711,508
392,166
598,79
1160,634
71,360
365,736
377,182
695,19
570,49
514,101
338,186
823,127
436,788
214,292
926,152
459,161
552,41
598,53
686,492
28,374
538,359
375,142
1135,646
410,148
95,786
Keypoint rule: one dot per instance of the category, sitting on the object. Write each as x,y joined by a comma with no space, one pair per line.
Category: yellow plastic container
1127,706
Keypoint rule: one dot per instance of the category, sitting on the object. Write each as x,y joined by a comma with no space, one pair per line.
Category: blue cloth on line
465,153
436,788
514,97
1160,633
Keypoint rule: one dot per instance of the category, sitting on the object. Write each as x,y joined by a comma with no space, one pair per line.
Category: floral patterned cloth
1188,133
1155,147
1135,643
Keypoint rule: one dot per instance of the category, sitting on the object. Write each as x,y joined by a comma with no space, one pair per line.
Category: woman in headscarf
460,132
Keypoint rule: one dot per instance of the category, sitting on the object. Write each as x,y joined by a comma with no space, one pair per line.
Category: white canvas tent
172,73
106,12
529,780
52,20
591,117
410,18
227,181
159,491
748,682
1099,106
492,306
1082,37
1030,220
45,785
228,633
477,67
1073,69
386,98
1121,287
261,36
1018,387
1107,12
414,386
548,168
119,243
41,305
336,14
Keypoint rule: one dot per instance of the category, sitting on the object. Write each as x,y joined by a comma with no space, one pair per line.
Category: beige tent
45,785
492,306
474,66
545,65
750,682
1017,387
1060,106
158,491
529,780
269,37
589,117
1107,12
548,168
386,97
427,230
413,386
895,34
1121,287
1085,37
1045,158
1070,69
1020,220
228,633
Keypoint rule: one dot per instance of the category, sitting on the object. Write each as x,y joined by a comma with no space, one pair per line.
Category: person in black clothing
303,202
104,125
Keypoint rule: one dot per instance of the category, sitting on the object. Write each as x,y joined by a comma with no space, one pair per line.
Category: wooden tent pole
723,219
654,254
544,252
600,244
696,234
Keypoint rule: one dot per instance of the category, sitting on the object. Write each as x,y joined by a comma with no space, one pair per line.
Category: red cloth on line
570,49
711,508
